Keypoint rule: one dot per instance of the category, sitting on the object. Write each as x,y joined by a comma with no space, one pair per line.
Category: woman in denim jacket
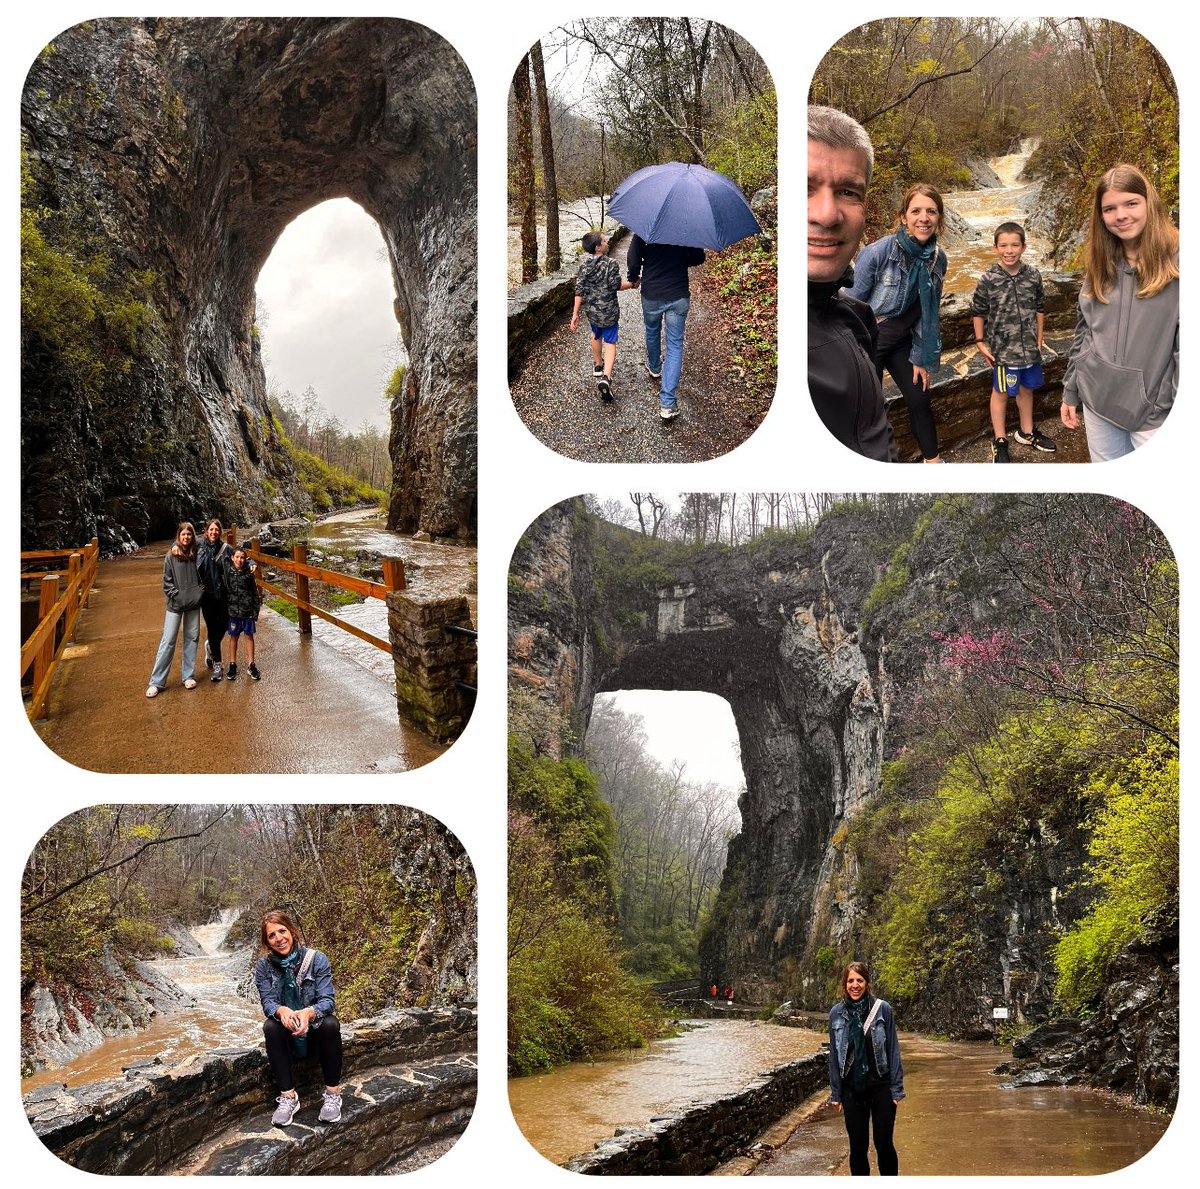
296,990
866,1079
900,277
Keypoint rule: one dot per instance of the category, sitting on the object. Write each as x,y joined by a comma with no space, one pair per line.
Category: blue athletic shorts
241,627
1008,379
607,334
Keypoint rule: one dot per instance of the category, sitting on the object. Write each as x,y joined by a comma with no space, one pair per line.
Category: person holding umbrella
675,211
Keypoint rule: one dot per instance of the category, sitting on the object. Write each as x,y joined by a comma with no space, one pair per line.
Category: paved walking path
315,710
555,394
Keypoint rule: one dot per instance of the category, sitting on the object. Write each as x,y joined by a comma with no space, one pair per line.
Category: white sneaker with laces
331,1108
286,1106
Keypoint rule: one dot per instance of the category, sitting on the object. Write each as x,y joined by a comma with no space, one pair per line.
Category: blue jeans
672,315
166,648
1107,441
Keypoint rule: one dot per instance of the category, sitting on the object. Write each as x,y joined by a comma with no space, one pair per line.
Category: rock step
388,1112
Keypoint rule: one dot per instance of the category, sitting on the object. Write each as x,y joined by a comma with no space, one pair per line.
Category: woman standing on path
866,1079
1124,366
211,557
182,586
295,985
900,277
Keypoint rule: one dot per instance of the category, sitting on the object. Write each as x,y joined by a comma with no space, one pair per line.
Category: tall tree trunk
546,141
526,196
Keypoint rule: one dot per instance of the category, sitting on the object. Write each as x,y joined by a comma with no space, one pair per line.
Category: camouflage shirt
598,283
1009,306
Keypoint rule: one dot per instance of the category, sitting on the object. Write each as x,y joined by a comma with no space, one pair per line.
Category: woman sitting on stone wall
295,984
900,277
866,1079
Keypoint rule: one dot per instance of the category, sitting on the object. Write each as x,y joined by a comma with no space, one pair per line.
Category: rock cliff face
184,147
766,633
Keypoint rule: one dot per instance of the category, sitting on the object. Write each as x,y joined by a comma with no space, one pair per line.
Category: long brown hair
1158,248
856,968
275,917
188,551
929,192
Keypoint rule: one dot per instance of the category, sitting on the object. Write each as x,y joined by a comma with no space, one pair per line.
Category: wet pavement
555,394
315,710
956,1119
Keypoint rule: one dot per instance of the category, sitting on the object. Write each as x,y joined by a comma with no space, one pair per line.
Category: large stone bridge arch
185,146
595,609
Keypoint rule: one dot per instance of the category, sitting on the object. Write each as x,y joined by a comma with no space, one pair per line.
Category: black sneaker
1036,439
605,386
597,370
231,673
1000,450
255,675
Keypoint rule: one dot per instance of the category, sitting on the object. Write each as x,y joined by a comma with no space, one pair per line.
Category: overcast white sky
327,290
691,726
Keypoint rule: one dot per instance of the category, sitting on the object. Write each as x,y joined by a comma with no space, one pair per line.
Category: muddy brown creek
219,1019
956,1119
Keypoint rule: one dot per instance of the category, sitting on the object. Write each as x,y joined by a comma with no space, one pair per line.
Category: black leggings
873,1108
216,623
892,350
326,1039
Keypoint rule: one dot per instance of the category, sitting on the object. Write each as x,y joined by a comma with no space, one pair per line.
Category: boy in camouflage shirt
596,289
1009,322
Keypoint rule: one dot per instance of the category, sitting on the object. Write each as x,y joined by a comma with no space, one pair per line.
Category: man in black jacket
663,271
845,388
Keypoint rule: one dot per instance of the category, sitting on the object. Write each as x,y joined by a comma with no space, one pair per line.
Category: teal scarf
290,991
860,1061
920,285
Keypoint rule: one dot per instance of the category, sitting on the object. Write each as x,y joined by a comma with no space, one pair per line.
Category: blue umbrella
686,205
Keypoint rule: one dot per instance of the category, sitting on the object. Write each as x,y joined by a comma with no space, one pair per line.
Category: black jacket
846,390
244,596
663,268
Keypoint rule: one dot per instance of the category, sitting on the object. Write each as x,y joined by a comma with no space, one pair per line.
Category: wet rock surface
185,147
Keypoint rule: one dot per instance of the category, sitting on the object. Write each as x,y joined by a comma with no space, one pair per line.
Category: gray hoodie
1125,357
181,583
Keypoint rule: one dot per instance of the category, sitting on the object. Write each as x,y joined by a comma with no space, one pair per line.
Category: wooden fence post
231,535
393,574
92,559
74,572
45,658
300,556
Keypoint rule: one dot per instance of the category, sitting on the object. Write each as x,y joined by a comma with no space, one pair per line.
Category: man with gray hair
846,390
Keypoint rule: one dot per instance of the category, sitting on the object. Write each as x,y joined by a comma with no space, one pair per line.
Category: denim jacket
883,1040
881,280
316,987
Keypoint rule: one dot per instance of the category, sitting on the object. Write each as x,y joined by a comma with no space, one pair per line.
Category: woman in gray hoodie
1124,365
184,590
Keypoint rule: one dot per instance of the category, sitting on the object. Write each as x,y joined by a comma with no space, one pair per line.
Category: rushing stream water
987,1130
985,210
219,1019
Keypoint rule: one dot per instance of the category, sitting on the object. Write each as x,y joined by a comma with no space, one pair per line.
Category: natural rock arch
186,146
764,634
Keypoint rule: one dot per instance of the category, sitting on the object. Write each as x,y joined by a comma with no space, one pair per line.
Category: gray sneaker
331,1108
286,1106
217,672
667,415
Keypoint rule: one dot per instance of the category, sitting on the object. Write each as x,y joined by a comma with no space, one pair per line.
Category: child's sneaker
605,386
1036,439
286,1107
1000,450
218,671
331,1108
597,370
231,673
255,675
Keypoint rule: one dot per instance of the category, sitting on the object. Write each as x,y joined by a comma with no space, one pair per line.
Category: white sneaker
670,414
331,1108
286,1105
190,683
152,691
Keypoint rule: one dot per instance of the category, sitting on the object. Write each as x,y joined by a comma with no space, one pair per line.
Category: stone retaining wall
532,307
156,1115
430,662
699,1138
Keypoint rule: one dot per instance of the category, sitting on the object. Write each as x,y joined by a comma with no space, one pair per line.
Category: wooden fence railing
298,567
58,612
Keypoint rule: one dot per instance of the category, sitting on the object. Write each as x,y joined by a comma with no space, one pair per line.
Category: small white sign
999,1013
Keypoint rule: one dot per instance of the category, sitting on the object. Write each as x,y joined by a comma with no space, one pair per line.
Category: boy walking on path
1009,318
596,288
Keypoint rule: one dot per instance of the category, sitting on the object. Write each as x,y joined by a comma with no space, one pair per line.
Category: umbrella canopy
686,205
